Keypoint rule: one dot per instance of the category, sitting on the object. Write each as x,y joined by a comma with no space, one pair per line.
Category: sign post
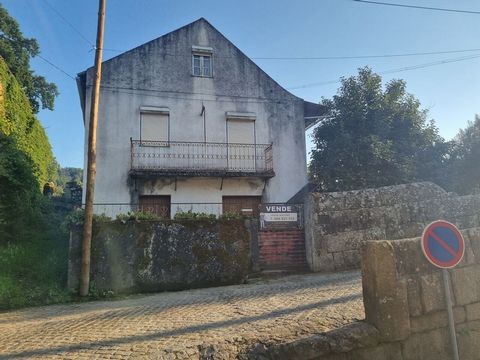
444,246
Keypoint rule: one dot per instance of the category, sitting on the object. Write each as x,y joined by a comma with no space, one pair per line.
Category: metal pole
451,321
92,155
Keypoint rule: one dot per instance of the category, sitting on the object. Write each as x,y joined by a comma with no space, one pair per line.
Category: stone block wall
406,317
163,255
336,224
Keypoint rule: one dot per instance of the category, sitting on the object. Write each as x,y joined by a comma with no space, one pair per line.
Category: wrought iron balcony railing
201,157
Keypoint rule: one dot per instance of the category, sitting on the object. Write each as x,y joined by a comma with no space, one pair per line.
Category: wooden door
156,204
236,204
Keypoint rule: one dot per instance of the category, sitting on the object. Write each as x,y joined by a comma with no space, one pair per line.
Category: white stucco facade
158,75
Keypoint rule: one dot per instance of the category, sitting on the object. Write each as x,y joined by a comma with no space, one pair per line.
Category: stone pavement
213,323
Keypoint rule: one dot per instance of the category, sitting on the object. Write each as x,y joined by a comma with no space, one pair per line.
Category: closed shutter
241,145
241,132
154,127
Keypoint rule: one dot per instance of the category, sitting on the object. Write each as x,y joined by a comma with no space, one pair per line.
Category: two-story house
187,122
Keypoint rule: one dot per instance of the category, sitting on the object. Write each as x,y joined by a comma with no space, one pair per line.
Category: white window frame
202,53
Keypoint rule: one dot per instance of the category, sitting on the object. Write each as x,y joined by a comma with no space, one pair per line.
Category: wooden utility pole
92,154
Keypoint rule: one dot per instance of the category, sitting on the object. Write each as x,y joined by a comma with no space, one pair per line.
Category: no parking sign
444,246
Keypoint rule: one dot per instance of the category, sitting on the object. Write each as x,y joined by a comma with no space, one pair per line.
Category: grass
33,272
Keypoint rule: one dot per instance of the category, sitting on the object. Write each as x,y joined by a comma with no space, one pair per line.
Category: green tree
17,50
375,137
464,169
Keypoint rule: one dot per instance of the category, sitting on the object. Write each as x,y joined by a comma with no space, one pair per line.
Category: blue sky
267,28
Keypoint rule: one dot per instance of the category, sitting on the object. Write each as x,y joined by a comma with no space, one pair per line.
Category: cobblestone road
186,324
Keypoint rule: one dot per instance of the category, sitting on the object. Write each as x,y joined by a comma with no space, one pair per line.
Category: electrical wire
339,57
55,66
79,33
418,7
396,70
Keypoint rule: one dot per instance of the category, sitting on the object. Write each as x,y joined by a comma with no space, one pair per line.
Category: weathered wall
158,74
163,255
406,318
338,223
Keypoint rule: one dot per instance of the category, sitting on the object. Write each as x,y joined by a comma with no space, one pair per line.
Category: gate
281,237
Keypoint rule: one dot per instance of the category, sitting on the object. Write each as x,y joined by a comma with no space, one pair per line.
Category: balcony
180,158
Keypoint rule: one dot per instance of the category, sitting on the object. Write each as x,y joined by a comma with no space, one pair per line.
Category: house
187,122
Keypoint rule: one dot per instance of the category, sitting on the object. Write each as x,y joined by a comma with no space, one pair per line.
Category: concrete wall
406,318
163,255
158,74
336,224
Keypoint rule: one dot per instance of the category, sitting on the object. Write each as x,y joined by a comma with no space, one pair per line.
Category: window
154,126
202,61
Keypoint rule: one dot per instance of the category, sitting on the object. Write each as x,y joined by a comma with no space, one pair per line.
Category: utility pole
92,154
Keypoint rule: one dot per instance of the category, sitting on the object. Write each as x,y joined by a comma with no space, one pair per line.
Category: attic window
202,64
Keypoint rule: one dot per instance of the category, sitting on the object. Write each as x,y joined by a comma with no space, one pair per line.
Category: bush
77,217
230,215
139,215
188,215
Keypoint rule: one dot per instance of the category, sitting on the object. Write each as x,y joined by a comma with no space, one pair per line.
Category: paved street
186,324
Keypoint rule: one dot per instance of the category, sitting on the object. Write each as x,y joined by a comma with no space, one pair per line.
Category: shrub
188,215
230,215
139,215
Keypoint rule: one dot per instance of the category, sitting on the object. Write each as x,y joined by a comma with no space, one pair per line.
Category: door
241,204
156,204
241,145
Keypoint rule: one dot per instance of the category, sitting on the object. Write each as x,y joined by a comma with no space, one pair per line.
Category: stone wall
163,255
406,318
336,224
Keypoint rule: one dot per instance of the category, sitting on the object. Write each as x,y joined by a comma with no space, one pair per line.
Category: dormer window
202,64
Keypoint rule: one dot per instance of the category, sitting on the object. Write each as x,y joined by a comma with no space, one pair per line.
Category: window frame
202,53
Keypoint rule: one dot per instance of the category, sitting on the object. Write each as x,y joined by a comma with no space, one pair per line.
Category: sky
66,30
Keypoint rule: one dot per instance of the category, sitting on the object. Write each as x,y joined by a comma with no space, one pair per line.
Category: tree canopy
464,160
17,50
375,136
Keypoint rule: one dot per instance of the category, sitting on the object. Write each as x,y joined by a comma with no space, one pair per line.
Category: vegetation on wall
33,247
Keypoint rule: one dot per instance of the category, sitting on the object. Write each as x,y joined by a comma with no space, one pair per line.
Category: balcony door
241,145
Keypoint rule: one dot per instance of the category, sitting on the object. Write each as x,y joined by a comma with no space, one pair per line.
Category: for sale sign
279,216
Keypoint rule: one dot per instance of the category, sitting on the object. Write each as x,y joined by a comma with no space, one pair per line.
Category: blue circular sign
443,244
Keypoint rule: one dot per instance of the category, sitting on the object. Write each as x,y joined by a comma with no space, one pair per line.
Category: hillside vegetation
32,246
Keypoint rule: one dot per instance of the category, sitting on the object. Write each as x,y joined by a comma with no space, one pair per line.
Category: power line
418,7
79,33
406,68
368,56
55,66
339,57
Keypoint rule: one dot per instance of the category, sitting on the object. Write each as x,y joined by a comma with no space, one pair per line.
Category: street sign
443,244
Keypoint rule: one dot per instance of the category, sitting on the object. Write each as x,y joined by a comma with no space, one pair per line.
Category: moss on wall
164,255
